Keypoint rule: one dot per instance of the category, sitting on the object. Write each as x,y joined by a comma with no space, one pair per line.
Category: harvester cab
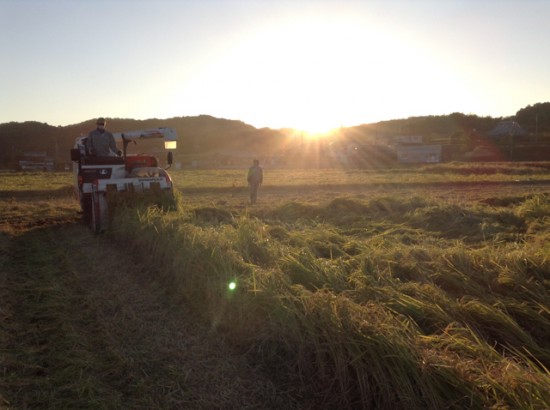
97,178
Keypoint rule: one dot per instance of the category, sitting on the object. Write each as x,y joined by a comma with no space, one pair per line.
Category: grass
443,173
18,182
82,325
386,300
389,302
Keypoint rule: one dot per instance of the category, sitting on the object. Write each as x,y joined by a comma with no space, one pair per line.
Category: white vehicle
95,178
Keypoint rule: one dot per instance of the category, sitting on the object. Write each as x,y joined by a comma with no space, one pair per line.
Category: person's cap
100,121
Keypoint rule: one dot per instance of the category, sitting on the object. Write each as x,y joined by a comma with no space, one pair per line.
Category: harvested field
382,293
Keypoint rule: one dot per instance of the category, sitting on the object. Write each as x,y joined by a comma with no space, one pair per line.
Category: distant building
36,161
507,129
407,139
411,154
360,155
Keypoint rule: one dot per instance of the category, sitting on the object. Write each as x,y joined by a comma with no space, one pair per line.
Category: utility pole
512,135
536,128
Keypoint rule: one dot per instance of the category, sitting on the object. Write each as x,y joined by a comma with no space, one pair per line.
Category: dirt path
82,326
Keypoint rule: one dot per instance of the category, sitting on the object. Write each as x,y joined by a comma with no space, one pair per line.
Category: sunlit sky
311,65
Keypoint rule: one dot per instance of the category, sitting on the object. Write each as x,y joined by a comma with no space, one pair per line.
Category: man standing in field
101,142
255,179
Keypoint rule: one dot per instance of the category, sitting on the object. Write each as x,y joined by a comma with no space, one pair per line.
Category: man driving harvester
101,142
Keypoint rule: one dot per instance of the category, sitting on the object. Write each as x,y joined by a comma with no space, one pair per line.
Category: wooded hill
206,135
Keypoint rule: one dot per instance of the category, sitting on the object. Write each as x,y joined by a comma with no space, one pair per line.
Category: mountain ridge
208,135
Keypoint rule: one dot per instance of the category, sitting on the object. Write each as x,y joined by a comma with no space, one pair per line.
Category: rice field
371,299
412,288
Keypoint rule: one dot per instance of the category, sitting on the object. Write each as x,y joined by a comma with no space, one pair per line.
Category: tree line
207,135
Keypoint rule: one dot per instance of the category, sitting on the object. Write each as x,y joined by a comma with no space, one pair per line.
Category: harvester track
83,327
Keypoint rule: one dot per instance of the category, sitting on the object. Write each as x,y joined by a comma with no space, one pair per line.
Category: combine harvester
96,179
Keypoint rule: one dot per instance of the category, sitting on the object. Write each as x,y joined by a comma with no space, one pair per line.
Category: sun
321,75
313,134
316,126
315,75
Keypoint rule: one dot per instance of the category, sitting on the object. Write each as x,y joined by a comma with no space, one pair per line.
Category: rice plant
429,309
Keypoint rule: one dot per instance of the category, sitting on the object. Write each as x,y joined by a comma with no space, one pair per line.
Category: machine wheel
96,213
87,209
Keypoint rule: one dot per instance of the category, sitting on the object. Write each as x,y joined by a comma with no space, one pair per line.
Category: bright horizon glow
309,65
